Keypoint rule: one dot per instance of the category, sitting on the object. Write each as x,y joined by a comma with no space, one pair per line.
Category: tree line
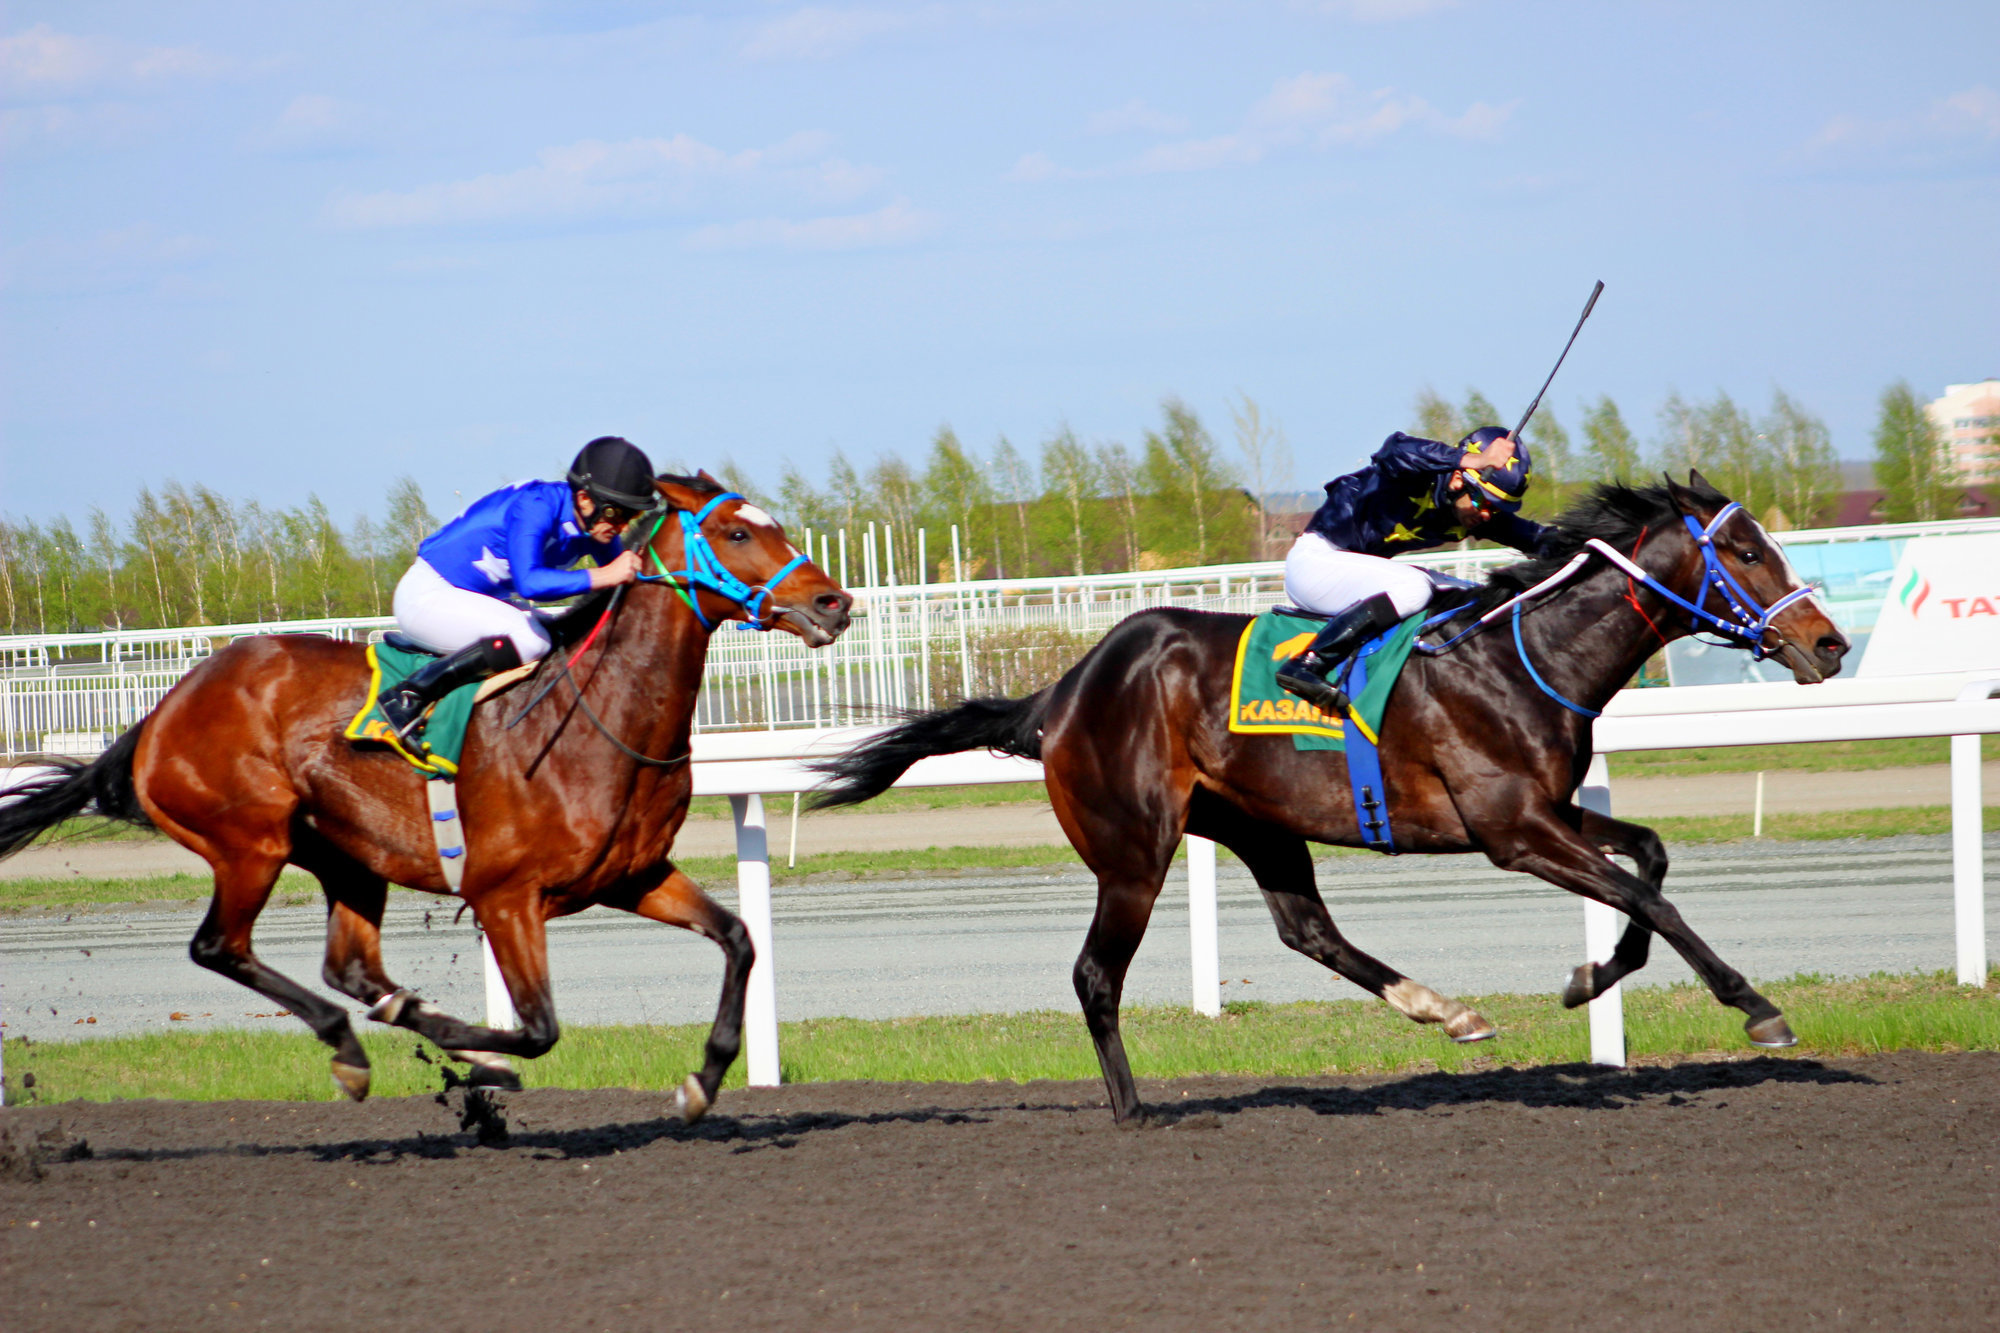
191,556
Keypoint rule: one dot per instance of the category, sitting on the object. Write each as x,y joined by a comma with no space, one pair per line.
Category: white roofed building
1969,417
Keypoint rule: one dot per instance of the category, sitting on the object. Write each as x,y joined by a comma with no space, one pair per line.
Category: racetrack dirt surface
1749,1194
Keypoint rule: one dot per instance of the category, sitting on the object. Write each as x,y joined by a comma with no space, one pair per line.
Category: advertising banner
1943,609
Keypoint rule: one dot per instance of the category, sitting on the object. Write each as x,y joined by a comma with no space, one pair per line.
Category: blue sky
281,249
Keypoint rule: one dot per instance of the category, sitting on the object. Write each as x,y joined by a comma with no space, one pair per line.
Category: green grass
1817,757
1832,1018
1814,827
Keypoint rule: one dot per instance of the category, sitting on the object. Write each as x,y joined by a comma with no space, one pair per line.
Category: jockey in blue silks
468,595
1414,494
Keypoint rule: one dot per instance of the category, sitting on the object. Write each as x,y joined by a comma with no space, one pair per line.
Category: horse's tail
1010,726
43,801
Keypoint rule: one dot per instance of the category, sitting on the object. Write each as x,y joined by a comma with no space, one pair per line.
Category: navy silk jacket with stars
1391,505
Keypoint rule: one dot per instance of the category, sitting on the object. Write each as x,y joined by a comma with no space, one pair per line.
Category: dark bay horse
571,803
1478,755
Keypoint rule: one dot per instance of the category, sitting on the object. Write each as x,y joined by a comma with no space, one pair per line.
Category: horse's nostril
1833,645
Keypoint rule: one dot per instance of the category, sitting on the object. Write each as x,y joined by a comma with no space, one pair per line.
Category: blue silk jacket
1390,506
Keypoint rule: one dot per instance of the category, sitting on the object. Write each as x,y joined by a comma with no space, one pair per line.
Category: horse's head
1744,578
734,562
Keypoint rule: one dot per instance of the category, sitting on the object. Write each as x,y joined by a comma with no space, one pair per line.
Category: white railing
912,644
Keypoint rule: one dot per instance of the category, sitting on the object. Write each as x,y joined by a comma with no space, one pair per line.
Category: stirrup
1314,689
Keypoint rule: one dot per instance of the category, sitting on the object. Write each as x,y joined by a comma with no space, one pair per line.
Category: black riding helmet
613,471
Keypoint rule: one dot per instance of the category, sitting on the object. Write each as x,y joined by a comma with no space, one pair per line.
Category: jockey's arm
531,521
1412,456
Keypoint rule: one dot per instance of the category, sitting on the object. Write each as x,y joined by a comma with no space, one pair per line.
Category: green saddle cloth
439,738
1258,705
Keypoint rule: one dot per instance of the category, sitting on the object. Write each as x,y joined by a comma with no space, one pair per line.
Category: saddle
433,749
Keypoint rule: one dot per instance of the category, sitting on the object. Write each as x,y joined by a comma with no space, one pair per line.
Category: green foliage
1913,463
1610,451
191,556
1193,510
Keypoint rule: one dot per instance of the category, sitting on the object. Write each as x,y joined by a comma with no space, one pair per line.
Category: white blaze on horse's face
750,513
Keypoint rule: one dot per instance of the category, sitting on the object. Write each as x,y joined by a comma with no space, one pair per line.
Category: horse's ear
701,474
679,496
1698,499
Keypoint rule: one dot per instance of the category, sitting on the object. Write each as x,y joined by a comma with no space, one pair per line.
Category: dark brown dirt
1750,1194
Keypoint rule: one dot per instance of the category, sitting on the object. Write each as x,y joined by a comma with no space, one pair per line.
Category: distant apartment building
1969,417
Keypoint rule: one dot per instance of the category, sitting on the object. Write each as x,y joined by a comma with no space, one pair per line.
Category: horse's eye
1750,557
739,534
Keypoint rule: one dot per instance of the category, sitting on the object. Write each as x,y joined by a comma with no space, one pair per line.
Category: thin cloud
42,62
1304,113
117,257
820,33
1970,117
1136,116
895,224
1383,11
592,178
315,123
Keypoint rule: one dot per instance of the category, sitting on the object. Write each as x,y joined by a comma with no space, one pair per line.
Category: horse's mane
1612,512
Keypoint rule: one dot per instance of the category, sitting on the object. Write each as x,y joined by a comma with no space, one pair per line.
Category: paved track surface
1004,942
863,830
1761,1194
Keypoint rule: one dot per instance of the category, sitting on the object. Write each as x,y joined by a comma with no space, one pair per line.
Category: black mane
1613,513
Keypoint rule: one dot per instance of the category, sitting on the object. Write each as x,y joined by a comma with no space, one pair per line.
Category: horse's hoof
351,1079
1469,1027
1773,1032
690,1102
488,1071
1581,989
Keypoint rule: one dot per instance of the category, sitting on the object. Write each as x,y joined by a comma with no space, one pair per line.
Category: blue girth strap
1364,761
706,571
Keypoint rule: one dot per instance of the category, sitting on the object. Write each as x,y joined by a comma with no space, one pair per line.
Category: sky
283,250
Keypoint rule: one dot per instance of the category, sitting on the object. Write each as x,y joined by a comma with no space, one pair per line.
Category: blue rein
706,571
1751,623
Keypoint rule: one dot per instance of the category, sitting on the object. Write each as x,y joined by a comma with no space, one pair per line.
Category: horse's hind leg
1282,865
222,944
679,901
1644,849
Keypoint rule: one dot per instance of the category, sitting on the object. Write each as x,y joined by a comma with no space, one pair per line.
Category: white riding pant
1321,577
442,616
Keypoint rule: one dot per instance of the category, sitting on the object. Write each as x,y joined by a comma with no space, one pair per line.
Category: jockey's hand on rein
622,570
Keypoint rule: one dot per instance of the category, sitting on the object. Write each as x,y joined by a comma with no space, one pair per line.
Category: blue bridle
1746,630
706,572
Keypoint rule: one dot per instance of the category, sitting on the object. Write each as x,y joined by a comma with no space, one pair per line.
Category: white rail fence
746,767
912,644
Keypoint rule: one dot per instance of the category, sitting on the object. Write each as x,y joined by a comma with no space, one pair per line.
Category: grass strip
1832,1017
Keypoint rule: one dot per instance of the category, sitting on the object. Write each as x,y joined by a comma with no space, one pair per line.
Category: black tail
1011,726
43,802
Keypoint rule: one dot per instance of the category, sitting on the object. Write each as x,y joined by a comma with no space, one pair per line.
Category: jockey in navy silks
468,595
1413,494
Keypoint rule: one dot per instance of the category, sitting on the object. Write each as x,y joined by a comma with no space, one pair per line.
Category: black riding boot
404,703
1306,675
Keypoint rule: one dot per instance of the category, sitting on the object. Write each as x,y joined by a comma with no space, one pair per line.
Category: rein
1750,622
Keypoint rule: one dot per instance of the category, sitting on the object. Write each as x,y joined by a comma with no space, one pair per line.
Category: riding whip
1595,292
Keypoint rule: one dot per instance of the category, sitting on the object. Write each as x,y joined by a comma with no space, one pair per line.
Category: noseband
706,572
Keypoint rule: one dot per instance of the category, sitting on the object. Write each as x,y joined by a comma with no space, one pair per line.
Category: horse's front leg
1538,841
679,901
516,931
1643,848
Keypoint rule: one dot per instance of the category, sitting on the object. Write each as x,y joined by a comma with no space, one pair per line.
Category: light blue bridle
706,572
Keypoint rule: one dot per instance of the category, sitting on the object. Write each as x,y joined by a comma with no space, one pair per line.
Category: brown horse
1479,752
576,806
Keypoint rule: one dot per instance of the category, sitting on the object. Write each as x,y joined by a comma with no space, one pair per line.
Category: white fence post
1968,869
753,904
1203,946
1600,934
